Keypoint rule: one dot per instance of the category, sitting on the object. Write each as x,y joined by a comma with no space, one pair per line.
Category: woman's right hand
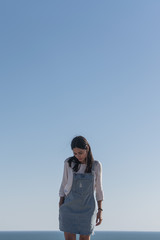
61,201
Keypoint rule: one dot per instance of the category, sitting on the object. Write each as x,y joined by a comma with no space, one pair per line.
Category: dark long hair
82,143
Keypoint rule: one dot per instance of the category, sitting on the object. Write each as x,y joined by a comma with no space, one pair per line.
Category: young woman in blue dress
81,193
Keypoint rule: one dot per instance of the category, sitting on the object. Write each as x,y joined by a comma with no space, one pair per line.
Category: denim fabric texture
78,212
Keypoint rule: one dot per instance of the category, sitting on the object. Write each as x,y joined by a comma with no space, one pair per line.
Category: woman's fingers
98,221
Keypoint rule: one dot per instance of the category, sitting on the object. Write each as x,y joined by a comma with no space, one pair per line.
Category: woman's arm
63,184
99,203
99,193
98,182
99,213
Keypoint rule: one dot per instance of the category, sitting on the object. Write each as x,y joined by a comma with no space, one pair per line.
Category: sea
99,235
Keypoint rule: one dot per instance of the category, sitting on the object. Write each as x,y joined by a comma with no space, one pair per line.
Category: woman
81,184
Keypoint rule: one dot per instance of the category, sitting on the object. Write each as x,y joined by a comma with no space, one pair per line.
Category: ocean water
57,235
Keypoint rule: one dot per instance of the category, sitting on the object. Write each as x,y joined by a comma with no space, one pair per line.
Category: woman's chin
82,161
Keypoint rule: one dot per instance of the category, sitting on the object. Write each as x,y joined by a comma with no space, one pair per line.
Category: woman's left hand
99,218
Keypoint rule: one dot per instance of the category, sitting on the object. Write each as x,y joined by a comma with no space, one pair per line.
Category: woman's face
80,154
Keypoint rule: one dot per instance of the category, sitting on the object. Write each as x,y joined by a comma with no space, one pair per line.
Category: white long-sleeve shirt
67,179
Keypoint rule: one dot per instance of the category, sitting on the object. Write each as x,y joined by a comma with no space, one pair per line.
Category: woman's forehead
78,149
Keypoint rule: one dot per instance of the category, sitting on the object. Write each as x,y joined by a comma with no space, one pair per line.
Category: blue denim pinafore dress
78,212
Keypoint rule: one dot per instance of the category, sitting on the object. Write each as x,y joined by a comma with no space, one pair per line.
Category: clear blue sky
79,67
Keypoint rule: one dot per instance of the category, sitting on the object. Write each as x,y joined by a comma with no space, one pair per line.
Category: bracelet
100,209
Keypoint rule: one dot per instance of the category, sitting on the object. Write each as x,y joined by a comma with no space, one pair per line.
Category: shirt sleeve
64,179
98,182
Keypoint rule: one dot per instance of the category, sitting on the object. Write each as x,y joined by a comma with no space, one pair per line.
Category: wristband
100,209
